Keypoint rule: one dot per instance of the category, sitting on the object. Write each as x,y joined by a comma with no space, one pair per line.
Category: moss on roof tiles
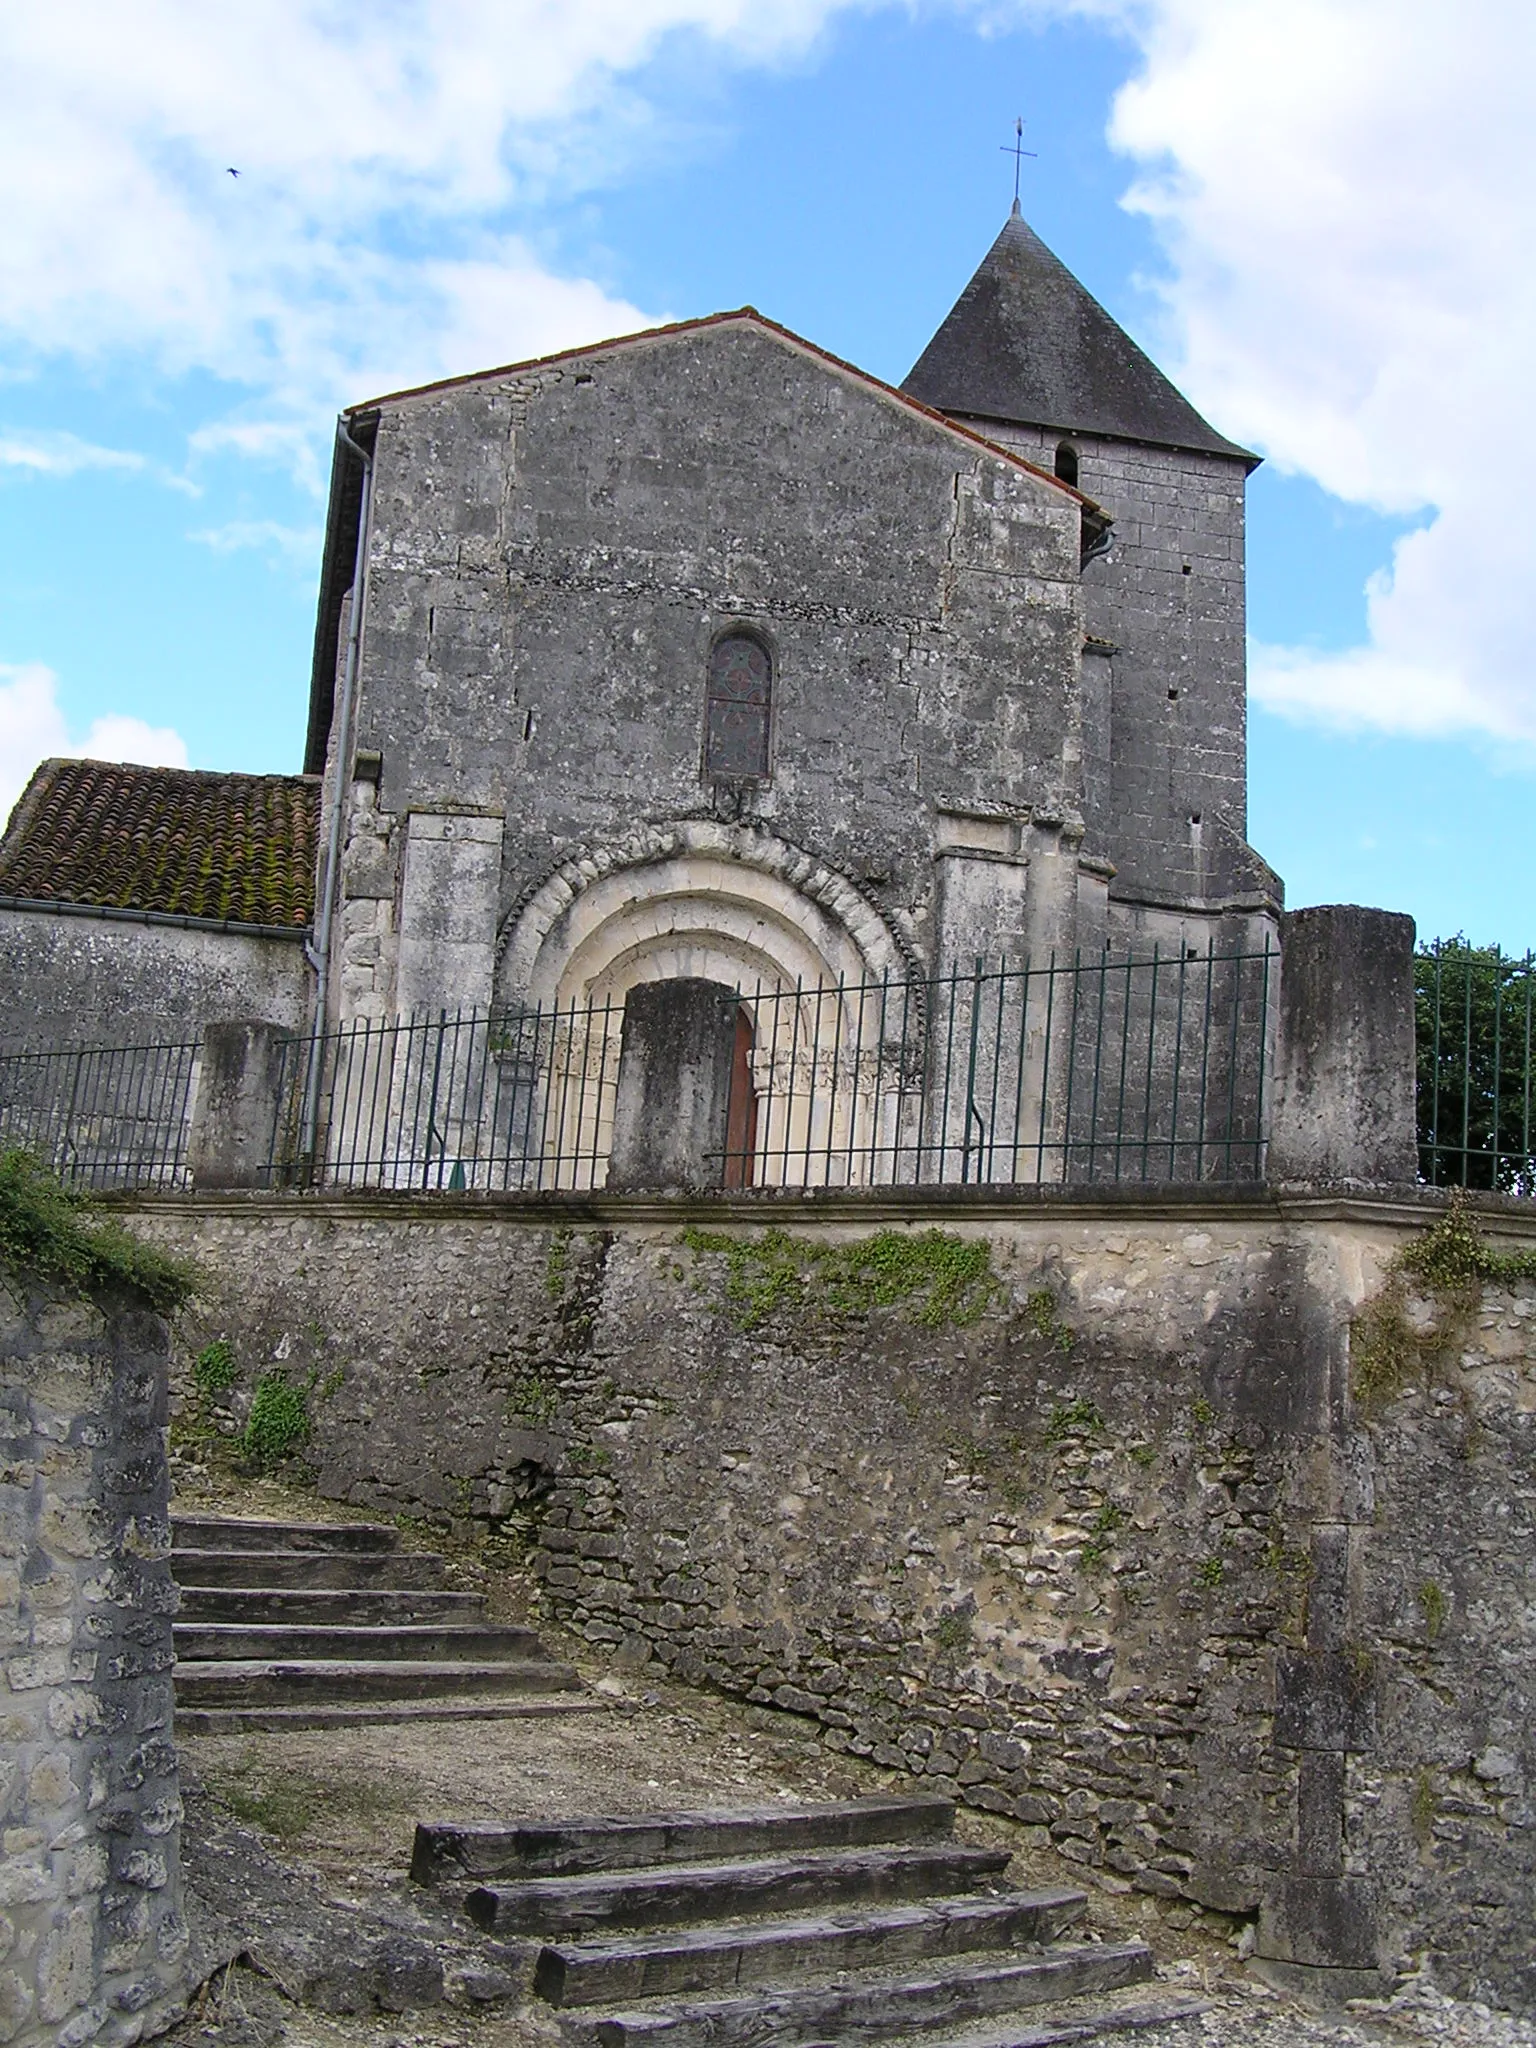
236,848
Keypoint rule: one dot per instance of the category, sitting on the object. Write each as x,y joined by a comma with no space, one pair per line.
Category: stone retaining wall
1099,1538
92,1940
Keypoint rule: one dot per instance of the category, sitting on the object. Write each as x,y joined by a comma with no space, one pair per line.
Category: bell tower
1030,359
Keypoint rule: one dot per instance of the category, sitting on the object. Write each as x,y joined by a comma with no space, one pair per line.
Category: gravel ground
343,1805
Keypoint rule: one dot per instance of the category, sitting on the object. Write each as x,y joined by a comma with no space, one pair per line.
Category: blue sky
164,421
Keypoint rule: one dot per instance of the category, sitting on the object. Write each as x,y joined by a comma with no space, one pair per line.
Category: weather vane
1018,152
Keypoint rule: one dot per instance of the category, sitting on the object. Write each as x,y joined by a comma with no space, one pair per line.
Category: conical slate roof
1026,342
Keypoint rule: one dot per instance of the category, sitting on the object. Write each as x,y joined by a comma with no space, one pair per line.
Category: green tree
1476,1030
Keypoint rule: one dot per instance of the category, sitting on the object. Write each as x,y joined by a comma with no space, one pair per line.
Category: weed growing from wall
1044,1318
953,1632
1073,1418
51,1231
557,1265
532,1399
1449,1264
279,1422
940,1279
214,1370
1100,1532
1434,1606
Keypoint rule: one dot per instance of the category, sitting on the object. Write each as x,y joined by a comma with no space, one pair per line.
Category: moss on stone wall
940,1279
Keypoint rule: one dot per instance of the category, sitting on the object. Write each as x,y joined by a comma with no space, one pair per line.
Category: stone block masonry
77,981
92,1940
1078,1510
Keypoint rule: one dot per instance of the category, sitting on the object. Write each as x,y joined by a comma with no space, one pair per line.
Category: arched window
736,716
1066,463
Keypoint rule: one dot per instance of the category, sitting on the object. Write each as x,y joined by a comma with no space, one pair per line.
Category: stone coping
1334,1202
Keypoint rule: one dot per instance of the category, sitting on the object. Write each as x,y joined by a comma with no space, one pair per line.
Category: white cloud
299,546
59,454
1347,191
416,128
45,452
32,727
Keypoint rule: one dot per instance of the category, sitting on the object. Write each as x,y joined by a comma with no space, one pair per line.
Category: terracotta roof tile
229,847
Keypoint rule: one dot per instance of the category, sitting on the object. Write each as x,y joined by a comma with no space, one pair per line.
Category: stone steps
314,1624
236,1532
871,2005
242,1683
408,1571
376,1713
860,1921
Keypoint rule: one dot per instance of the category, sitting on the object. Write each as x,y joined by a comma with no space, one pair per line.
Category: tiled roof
231,847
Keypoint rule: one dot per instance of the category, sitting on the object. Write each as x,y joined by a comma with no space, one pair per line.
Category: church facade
701,653
702,656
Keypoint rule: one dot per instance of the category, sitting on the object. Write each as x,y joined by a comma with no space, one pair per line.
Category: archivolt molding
641,905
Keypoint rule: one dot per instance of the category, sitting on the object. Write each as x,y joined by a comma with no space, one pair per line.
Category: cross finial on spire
1018,152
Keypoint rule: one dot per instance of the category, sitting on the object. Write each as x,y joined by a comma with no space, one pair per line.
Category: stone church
703,654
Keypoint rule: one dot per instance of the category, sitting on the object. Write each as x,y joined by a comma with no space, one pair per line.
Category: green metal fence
104,1116
1086,1067
1476,1027
505,1101
1083,1068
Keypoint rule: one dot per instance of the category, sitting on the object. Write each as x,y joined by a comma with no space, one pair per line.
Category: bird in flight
232,171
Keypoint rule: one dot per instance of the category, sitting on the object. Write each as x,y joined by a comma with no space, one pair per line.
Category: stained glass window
736,721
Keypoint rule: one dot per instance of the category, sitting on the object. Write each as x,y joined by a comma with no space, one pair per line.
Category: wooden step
380,1713
259,1684
872,2005
774,1884
725,1958
241,1532
307,1570
459,1849
232,1642
328,1606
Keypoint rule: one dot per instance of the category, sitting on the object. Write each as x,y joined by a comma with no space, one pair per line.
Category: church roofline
749,315
338,566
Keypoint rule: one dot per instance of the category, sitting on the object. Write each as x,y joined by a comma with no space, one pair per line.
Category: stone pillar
364,986
231,1143
448,904
94,1943
1344,1069
669,1117
1318,1933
